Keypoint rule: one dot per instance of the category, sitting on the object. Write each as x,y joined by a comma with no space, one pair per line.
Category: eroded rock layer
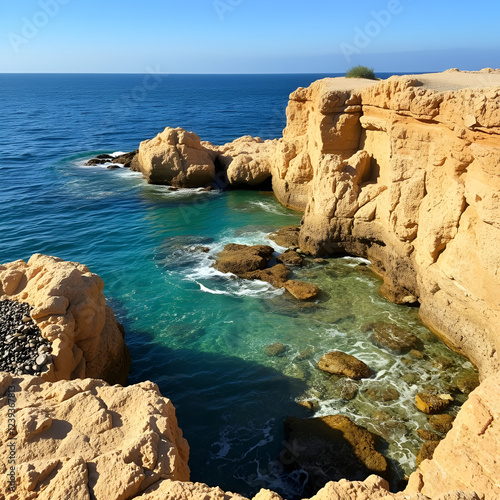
70,310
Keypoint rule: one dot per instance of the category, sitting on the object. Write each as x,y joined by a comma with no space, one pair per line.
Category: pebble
41,360
21,342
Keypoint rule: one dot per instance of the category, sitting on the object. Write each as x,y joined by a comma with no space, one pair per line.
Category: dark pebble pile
23,350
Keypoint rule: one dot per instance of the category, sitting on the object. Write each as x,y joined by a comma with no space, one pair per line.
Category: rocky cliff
69,308
404,172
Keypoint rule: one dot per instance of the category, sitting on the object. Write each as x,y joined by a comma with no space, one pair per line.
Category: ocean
201,336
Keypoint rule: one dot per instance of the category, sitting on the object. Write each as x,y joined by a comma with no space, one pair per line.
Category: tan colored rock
177,158
467,459
441,423
70,310
301,290
287,236
340,363
432,403
423,207
86,439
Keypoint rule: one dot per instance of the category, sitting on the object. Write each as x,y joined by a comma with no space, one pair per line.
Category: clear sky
247,36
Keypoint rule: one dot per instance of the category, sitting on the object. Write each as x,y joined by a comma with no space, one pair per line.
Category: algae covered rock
301,290
332,448
240,259
432,403
392,336
340,363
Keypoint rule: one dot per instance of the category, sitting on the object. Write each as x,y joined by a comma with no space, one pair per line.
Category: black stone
20,339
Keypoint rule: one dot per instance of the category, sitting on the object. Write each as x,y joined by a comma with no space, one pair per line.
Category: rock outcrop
177,158
70,309
250,262
84,439
406,176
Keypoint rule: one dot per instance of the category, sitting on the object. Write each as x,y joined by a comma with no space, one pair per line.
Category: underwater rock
432,403
276,349
332,448
392,336
441,423
340,363
301,290
426,451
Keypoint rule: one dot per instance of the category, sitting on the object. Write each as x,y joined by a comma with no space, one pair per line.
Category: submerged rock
467,383
340,363
301,290
432,403
276,349
332,448
381,393
428,435
392,336
441,423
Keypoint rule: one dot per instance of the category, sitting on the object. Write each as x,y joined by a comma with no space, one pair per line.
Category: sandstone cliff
404,172
70,309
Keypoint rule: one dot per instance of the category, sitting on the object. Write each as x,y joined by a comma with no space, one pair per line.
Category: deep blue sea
201,336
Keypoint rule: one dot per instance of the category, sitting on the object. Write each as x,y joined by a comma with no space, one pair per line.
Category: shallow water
199,334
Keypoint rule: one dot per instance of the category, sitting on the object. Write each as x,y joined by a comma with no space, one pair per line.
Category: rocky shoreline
400,172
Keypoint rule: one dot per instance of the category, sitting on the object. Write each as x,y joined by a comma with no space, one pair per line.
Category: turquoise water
200,335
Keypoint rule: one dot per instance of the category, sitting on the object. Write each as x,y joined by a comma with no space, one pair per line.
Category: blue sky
247,36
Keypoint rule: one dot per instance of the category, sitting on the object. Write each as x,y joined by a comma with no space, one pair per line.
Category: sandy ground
456,80
448,80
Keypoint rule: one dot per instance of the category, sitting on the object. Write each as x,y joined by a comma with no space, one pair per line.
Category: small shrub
361,72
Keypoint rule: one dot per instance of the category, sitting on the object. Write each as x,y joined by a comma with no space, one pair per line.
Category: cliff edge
404,172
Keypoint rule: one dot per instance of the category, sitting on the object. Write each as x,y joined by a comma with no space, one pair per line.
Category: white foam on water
271,207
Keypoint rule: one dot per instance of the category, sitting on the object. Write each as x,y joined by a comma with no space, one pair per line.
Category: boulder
332,448
301,290
70,310
291,258
275,275
392,336
432,403
340,363
441,423
241,259
126,159
176,157
86,439
382,393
